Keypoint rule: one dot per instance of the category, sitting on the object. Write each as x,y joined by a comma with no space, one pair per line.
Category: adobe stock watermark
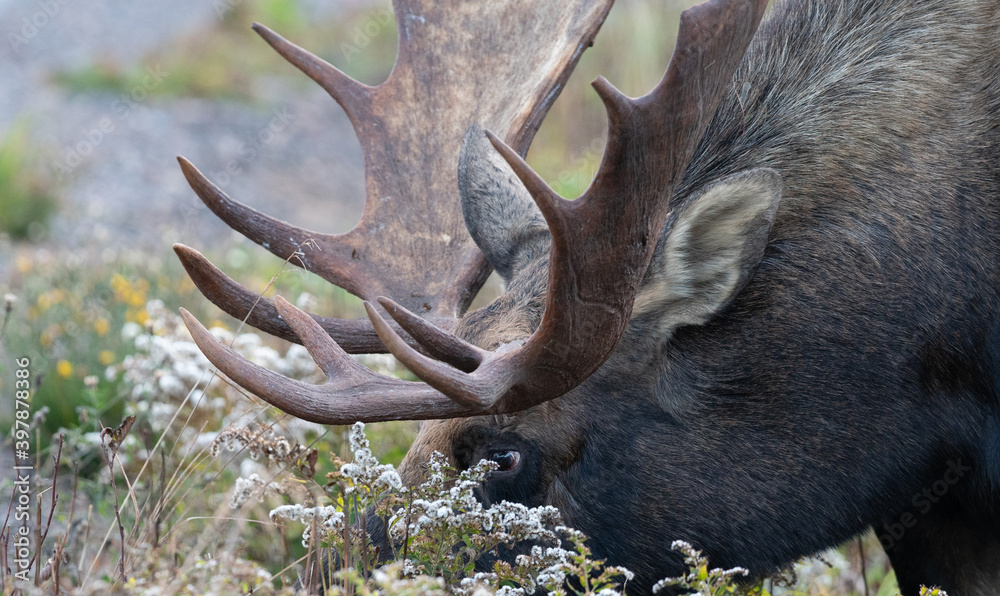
248,151
581,170
379,19
224,7
23,470
89,139
31,25
923,502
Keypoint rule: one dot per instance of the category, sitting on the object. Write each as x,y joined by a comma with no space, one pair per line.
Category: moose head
765,327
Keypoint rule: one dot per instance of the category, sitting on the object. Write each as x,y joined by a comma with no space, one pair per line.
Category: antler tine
354,97
331,358
355,336
614,226
452,382
282,239
438,342
353,393
549,202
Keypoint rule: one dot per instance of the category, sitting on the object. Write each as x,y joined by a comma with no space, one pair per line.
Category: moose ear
499,213
712,250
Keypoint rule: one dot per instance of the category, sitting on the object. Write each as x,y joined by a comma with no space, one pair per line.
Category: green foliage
27,196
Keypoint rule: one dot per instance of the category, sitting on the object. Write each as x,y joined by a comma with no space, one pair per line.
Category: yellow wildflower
50,334
121,287
64,368
23,264
106,357
102,326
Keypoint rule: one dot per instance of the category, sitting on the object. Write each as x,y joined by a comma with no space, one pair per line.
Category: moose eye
507,460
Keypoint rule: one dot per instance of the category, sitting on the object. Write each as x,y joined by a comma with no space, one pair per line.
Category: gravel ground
128,190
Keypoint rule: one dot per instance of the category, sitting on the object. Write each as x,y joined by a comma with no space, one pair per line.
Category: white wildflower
131,330
328,518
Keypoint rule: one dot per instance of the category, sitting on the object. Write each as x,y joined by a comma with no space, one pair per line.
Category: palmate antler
613,227
458,63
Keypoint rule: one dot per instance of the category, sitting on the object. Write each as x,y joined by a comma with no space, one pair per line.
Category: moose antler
452,69
614,226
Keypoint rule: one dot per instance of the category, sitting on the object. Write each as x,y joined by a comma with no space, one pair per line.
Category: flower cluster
366,472
700,579
444,540
252,487
264,445
168,370
327,518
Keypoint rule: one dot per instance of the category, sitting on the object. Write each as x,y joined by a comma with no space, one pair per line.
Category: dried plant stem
86,541
55,476
5,536
57,554
311,565
864,570
41,536
114,490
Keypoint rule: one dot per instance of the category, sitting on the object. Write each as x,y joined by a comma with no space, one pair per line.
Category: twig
114,491
57,553
55,497
41,536
10,507
363,551
86,541
4,539
312,566
864,570
159,502
8,307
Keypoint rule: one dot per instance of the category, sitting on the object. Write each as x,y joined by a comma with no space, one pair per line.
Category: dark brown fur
817,391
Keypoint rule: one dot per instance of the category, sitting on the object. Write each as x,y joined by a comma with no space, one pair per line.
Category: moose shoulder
771,323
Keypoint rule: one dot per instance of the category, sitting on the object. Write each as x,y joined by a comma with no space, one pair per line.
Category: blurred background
97,98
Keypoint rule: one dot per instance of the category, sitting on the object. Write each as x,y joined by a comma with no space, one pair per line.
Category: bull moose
770,323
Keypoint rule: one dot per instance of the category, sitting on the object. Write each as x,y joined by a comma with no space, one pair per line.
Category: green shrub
27,197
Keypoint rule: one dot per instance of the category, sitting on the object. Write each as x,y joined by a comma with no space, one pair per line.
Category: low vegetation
27,196
204,490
